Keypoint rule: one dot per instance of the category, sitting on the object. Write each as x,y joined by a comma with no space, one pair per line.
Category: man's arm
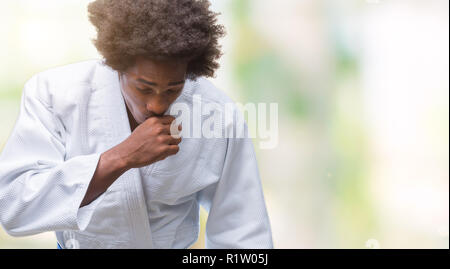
148,143
110,167
40,190
237,212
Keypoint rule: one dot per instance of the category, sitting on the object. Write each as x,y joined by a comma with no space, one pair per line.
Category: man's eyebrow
155,84
147,82
176,83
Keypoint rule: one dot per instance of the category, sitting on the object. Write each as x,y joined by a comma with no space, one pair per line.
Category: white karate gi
71,114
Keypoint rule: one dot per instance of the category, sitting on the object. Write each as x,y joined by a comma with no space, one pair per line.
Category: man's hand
150,142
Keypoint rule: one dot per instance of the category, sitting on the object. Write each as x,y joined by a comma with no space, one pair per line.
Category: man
94,157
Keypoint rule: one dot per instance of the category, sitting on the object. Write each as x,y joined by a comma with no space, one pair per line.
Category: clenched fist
150,142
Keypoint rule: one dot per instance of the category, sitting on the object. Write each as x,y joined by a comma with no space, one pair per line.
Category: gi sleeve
237,217
40,191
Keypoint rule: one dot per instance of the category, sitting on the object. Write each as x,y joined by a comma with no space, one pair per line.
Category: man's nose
157,106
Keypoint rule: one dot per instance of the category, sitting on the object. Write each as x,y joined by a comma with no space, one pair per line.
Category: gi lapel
106,80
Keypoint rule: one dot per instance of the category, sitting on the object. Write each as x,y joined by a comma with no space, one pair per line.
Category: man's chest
197,164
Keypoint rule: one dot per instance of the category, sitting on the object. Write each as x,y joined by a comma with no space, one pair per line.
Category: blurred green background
363,93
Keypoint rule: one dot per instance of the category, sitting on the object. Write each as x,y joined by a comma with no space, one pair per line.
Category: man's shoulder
214,104
70,73
205,90
211,98
61,80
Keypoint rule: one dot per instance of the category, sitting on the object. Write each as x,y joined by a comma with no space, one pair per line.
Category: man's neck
131,120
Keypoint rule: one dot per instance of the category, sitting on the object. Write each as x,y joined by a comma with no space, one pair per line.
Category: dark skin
149,87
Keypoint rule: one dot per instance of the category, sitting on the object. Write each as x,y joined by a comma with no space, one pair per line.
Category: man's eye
172,91
144,90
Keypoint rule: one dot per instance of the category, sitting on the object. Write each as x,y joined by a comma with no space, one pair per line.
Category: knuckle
160,139
159,129
176,148
161,150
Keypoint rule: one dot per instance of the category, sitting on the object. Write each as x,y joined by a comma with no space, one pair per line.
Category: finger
170,140
173,149
164,130
174,141
166,119
170,150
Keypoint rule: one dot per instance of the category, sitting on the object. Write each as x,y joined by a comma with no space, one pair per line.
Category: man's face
150,87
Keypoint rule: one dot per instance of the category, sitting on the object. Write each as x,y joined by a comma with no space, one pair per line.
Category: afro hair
159,30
